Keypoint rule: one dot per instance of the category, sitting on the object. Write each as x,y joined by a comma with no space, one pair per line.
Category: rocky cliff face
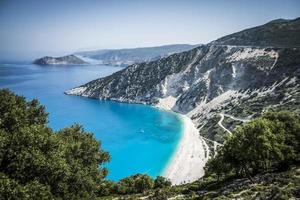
208,80
65,60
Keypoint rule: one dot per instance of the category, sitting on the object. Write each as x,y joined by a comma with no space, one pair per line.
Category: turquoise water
140,139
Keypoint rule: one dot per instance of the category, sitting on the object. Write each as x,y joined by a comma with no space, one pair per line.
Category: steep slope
209,80
64,60
134,55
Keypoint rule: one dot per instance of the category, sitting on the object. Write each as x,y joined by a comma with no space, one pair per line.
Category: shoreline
188,161
189,158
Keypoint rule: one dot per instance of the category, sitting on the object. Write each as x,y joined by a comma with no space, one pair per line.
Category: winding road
232,117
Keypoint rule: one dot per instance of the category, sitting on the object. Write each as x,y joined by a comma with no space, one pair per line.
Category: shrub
135,184
161,182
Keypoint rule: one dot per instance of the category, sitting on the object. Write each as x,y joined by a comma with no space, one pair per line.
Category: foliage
212,130
277,33
161,182
135,184
271,141
262,145
272,185
275,185
217,166
16,112
159,195
11,189
138,183
38,163
106,188
290,123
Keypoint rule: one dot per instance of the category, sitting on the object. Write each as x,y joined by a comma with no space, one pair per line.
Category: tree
37,163
16,112
259,145
217,165
82,156
290,123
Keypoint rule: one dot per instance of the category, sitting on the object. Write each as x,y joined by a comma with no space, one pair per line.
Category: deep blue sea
139,138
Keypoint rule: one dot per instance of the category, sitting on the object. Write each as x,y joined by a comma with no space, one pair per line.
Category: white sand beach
188,161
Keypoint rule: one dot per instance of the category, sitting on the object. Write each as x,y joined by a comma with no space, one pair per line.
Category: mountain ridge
276,33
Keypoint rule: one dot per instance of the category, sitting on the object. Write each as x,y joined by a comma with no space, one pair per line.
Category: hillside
269,185
132,55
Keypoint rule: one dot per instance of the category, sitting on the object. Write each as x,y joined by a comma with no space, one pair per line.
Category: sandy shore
188,161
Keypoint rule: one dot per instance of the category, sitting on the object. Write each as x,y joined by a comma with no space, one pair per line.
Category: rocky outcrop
65,60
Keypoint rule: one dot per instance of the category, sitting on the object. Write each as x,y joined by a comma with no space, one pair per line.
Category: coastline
191,154
188,161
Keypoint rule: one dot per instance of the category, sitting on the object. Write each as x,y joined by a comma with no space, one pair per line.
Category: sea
139,138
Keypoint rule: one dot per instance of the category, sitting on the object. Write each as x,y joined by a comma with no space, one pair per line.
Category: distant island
64,60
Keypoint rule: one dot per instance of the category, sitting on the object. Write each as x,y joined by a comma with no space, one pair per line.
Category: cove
139,138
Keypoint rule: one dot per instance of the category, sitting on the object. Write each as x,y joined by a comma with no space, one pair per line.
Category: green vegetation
133,184
139,183
38,163
231,124
161,182
212,130
269,142
274,185
259,161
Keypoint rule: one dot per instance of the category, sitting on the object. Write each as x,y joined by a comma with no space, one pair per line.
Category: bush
135,184
107,188
161,182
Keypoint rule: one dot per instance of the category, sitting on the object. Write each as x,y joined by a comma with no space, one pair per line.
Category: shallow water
140,139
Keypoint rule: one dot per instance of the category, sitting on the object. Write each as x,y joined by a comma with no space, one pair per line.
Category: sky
34,28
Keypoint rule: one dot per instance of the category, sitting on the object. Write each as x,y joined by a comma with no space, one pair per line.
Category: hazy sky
35,28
